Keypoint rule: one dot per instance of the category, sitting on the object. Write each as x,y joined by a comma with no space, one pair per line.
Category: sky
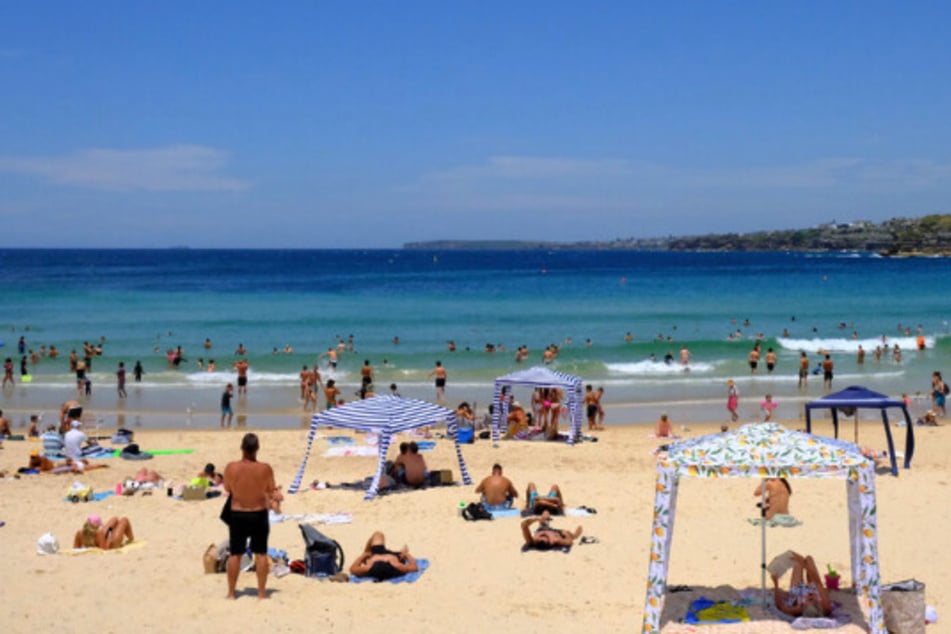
368,125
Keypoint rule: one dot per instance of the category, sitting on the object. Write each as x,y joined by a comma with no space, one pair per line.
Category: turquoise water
143,302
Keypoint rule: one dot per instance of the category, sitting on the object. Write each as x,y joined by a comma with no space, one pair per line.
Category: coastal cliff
924,236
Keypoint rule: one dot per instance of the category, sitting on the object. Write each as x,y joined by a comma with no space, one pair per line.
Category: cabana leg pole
762,523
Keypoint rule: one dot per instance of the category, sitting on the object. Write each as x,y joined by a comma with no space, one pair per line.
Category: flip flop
590,510
589,540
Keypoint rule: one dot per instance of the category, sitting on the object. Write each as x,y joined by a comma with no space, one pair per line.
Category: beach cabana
768,450
854,398
384,415
538,377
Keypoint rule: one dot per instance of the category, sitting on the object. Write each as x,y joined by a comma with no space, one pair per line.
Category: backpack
475,512
323,556
947,389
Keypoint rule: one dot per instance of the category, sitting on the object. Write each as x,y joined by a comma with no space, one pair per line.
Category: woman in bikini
381,564
115,533
807,597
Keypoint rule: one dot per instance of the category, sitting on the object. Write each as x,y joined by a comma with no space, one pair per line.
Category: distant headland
899,237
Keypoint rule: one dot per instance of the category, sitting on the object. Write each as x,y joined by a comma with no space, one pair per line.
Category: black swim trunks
242,381
592,411
753,364
249,524
440,382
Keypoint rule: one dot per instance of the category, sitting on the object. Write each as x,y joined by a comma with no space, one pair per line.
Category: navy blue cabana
384,415
856,397
536,377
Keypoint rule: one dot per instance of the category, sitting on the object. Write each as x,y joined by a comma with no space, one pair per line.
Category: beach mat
704,611
159,452
96,497
409,577
99,551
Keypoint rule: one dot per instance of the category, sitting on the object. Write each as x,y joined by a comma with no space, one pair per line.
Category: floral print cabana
768,451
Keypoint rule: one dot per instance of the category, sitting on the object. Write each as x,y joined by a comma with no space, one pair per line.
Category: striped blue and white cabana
384,415
537,377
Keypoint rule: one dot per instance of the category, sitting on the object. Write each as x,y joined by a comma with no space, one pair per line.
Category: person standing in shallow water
732,400
440,374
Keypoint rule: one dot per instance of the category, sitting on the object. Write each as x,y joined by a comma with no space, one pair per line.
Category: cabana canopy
384,415
856,397
538,377
768,451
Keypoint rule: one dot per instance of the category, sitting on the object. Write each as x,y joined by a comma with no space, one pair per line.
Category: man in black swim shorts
251,486
381,564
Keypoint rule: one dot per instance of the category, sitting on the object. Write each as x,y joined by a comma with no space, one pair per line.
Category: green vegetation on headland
925,236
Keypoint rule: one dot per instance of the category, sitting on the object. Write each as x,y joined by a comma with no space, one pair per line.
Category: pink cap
94,520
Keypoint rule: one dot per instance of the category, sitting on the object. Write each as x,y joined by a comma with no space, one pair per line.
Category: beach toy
26,378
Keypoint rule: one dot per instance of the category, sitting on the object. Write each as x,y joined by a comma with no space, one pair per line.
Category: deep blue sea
140,303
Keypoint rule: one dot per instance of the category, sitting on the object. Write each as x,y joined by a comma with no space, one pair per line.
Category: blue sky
323,124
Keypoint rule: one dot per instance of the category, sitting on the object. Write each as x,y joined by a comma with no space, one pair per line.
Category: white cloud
172,168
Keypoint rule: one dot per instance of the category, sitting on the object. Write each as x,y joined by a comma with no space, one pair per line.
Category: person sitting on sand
807,597
777,496
115,533
498,492
665,427
411,466
929,419
376,562
76,443
552,502
212,477
517,420
545,537
52,442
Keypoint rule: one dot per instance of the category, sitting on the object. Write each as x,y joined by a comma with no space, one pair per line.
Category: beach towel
311,518
409,577
426,445
505,513
705,611
356,450
157,452
780,519
99,551
340,440
561,549
837,618
96,497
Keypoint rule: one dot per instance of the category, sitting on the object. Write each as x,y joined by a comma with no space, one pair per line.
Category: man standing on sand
241,365
251,486
226,405
498,492
440,373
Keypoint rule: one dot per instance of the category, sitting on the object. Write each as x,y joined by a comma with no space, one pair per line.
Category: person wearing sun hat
115,533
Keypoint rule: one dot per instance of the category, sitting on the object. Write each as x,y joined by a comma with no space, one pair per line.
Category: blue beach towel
704,610
505,513
340,440
409,577
426,445
97,497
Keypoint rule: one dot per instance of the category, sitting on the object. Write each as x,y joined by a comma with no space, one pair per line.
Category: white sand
478,580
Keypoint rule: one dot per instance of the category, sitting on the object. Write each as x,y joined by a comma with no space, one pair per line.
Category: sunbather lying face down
805,597
381,564
546,537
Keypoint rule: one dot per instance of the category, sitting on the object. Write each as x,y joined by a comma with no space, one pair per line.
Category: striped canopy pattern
538,376
384,415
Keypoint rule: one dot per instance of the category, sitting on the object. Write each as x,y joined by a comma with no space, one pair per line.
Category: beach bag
79,492
215,559
904,606
323,556
47,545
475,512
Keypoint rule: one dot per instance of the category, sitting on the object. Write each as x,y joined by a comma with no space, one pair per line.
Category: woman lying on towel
807,598
545,537
115,533
45,465
381,564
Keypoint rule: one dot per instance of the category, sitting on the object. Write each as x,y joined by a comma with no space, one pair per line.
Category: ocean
140,303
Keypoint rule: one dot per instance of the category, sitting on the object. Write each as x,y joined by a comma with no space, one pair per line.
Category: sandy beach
478,577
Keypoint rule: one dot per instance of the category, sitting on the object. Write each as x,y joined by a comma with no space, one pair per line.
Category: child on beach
768,406
665,428
732,400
